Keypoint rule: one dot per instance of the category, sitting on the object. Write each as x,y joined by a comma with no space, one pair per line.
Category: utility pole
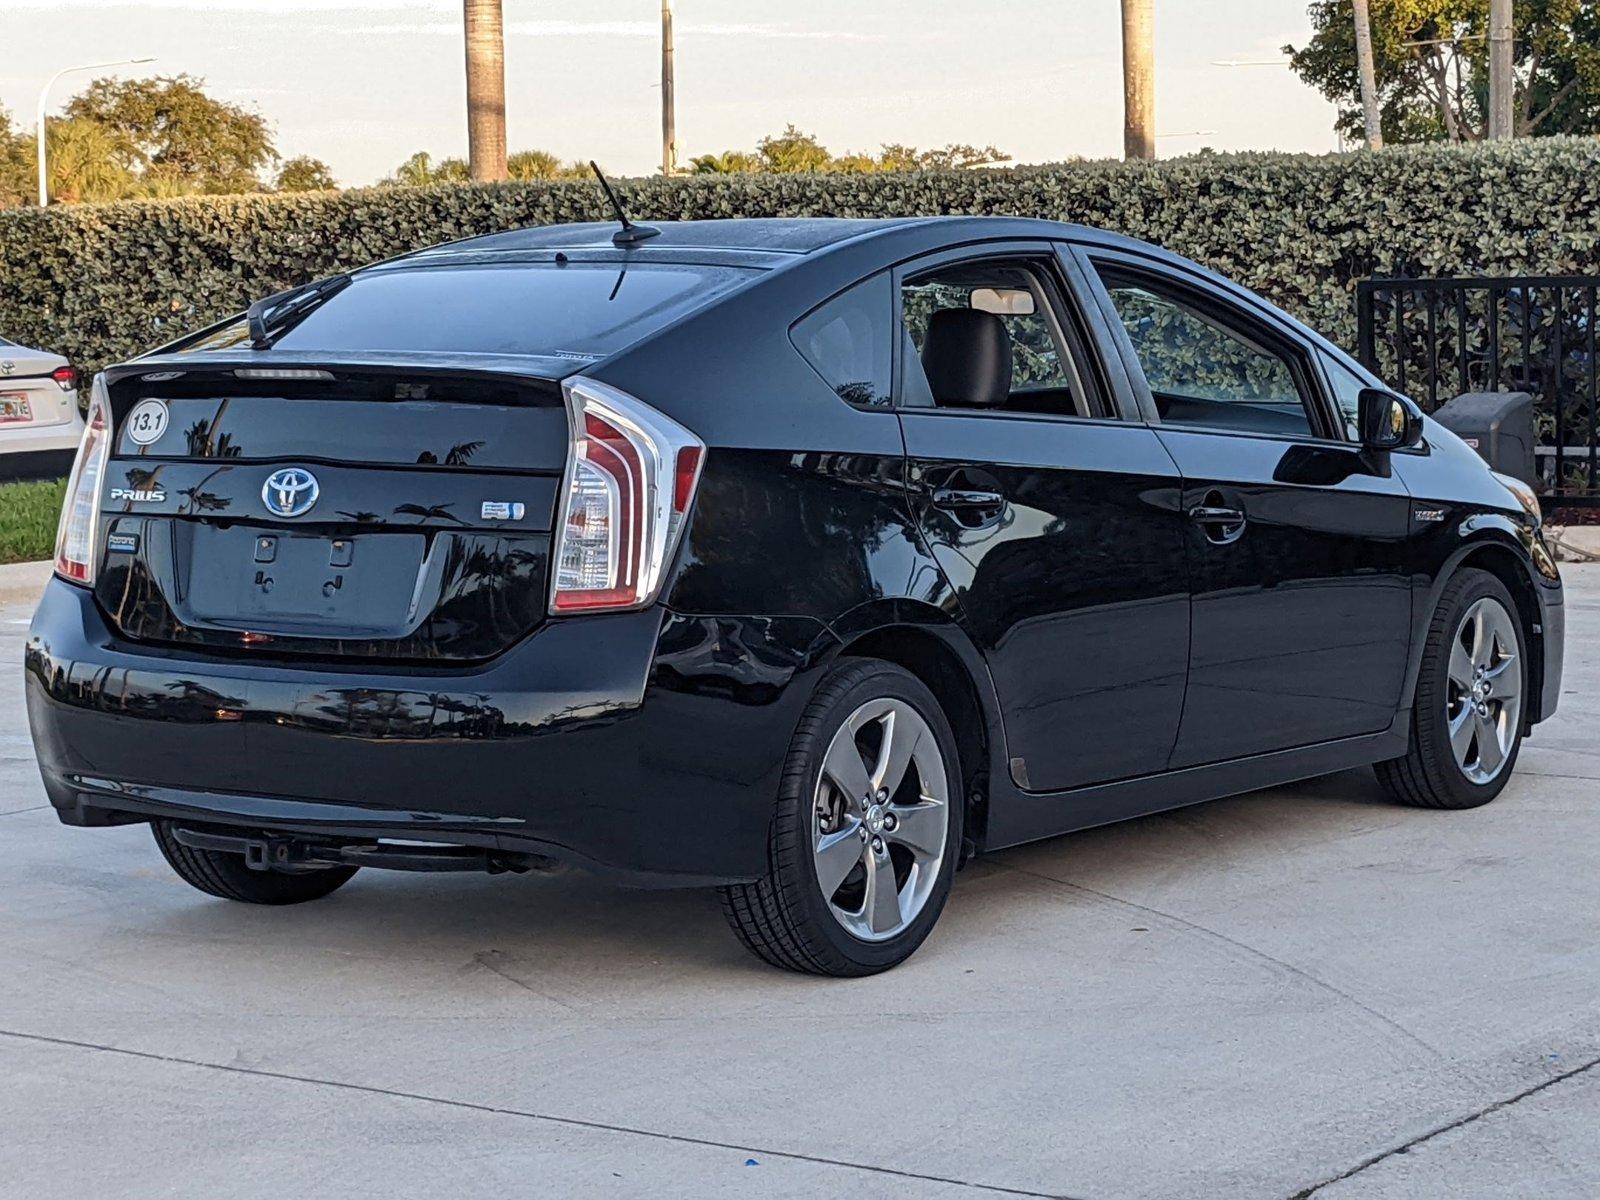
1369,81
1502,84
669,118
486,90
1138,79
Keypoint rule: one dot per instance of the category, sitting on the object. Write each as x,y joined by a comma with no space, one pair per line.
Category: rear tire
889,854
1479,702
218,873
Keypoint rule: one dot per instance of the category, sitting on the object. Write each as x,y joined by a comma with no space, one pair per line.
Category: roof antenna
629,233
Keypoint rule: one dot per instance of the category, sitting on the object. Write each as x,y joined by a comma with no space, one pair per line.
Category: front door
1295,538
1054,518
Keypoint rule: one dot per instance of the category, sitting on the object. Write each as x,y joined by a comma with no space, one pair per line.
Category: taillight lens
80,515
631,477
66,377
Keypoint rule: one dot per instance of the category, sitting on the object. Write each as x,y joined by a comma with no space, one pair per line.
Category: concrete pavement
1300,991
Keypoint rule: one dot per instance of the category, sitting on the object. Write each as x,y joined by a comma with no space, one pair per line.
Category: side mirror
1388,421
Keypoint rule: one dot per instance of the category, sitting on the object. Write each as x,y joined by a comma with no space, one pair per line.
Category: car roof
756,240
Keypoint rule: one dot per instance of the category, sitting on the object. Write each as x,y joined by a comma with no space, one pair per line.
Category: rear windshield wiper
275,315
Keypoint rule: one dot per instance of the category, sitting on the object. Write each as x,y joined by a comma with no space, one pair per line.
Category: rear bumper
40,438
641,745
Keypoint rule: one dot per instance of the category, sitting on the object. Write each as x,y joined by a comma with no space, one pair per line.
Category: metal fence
1437,338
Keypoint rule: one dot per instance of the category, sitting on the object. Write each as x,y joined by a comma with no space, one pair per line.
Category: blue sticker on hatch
123,543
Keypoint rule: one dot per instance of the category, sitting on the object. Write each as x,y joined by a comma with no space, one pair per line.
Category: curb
23,583
1585,539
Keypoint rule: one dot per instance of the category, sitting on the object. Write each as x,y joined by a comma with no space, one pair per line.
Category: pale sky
361,84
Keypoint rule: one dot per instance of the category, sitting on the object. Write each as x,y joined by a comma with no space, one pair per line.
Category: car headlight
1525,496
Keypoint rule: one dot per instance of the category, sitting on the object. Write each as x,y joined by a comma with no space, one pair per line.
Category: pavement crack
1297,972
13,812
1449,1127
528,1115
489,960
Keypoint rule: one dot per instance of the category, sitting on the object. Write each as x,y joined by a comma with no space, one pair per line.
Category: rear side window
576,310
849,341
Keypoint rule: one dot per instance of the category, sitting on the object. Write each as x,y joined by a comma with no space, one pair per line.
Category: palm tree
1370,115
486,89
1138,79
83,160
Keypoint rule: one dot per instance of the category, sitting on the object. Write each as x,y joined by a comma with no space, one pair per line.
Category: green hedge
102,282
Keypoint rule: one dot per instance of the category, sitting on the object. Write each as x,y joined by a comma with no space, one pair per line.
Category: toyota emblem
290,492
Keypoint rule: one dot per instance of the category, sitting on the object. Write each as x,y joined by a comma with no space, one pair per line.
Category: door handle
958,498
1220,523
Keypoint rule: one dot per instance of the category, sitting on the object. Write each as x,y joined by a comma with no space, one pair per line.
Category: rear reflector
631,477
80,514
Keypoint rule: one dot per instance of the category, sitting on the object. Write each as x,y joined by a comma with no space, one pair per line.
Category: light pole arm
44,96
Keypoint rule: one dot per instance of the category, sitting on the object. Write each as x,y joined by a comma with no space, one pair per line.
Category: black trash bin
1499,426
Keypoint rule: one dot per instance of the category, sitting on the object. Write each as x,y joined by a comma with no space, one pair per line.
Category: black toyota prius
803,559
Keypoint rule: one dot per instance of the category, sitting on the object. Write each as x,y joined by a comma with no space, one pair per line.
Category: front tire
1466,724
864,842
218,873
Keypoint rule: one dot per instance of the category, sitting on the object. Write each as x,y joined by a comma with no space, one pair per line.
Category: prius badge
290,492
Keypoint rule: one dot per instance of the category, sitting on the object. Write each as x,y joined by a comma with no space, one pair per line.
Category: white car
40,424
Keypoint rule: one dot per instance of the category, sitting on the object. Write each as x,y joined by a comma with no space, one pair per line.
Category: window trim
1326,425
1066,316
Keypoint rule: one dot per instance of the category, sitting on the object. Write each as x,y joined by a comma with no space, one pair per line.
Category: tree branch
1555,100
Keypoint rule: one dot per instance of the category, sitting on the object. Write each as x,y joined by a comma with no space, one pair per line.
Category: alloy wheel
1483,702
880,821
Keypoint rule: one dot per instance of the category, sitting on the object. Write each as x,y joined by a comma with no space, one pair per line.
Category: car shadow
567,923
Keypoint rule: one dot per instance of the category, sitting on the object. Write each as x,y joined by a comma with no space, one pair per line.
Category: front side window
988,334
1347,389
1201,368
849,341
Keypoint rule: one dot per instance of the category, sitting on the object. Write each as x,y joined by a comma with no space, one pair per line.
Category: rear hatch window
578,310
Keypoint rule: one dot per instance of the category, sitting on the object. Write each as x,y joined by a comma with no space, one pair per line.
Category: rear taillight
67,377
631,476
80,514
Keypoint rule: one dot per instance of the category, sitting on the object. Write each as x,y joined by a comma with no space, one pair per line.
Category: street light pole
44,95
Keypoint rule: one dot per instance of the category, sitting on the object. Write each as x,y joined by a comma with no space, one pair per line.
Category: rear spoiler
527,367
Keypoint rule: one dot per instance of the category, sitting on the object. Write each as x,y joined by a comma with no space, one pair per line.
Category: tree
1138,80
729,162
176,138
83,164
305,174
420,170
1431,61
528,166
794,153
486,89
16,164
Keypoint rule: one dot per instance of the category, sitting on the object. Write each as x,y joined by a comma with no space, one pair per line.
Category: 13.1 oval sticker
147,422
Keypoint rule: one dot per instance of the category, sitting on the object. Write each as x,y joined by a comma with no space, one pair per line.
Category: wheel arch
930,645
1497,552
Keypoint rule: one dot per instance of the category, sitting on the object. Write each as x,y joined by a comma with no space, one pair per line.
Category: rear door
1295,541
1052,513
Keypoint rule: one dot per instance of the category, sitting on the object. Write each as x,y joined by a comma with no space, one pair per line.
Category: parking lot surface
1301,991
